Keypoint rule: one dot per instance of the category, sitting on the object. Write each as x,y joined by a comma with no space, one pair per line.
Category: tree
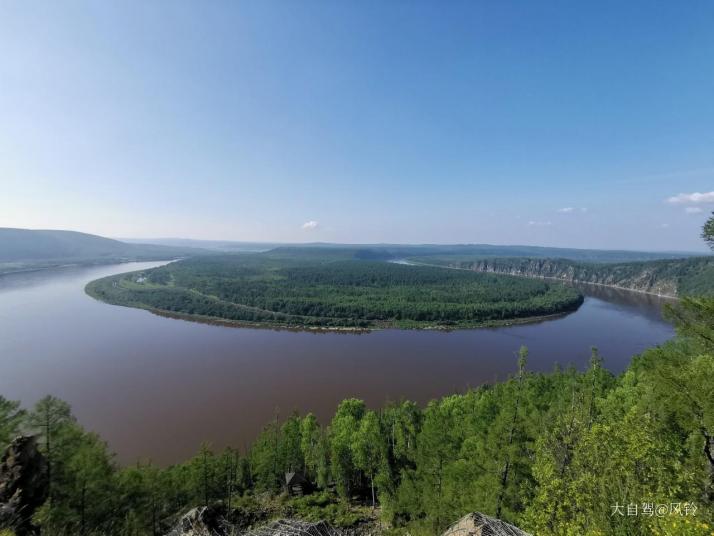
522,359
229,466
204,474
48,417
403,422
315,450
290,452
264,459
142,500
708,231
370,449
88,482
342,430
437,447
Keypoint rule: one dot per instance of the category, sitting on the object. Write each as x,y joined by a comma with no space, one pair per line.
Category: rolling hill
23,249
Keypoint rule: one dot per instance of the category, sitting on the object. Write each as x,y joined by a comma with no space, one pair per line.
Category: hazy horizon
317,242
548,124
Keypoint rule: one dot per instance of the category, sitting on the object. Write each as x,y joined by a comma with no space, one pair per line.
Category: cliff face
665,278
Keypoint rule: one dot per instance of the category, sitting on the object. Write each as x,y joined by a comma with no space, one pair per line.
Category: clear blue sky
400,121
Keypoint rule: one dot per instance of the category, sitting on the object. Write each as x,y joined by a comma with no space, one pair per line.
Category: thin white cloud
693,198
310,225
583,209
534,223
693,210
664,225
566,210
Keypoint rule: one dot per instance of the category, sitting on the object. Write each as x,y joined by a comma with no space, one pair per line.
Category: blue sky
400,121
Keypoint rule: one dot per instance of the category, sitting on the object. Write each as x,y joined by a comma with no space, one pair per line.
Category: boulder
202,521
23,484
477,524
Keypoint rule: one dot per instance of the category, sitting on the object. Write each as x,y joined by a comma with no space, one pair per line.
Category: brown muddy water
157,387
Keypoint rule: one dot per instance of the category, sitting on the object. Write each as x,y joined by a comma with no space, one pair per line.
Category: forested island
315,288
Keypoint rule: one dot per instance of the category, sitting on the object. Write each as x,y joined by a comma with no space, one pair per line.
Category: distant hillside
226,246
472,251
22,249
395,251
666,277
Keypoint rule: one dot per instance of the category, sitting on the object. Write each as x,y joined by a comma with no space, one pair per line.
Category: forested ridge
304,289
668,277
553,453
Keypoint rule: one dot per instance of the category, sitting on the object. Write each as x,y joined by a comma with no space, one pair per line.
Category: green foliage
315,449
11,419
708,231
343,429
369,449
324,292
322,506
694,319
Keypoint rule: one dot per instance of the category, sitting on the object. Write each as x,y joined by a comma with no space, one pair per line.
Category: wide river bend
156,387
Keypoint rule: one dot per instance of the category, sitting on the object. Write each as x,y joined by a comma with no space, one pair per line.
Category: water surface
157,387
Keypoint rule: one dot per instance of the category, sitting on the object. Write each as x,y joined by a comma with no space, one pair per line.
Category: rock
477,524
201,521
23,484
216,520
211,521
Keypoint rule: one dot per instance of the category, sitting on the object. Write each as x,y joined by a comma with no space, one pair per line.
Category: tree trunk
373,501
83,509
709,453
507,464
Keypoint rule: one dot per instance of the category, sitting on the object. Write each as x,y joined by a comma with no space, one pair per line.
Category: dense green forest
670,277
305,287
556,453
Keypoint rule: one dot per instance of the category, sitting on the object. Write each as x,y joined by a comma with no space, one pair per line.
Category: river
156,387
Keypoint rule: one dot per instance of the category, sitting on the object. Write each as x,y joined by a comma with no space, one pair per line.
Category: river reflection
157,387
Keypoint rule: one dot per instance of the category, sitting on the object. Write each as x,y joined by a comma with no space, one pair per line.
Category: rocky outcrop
23,485
203,521
217,520
212,521
477,524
